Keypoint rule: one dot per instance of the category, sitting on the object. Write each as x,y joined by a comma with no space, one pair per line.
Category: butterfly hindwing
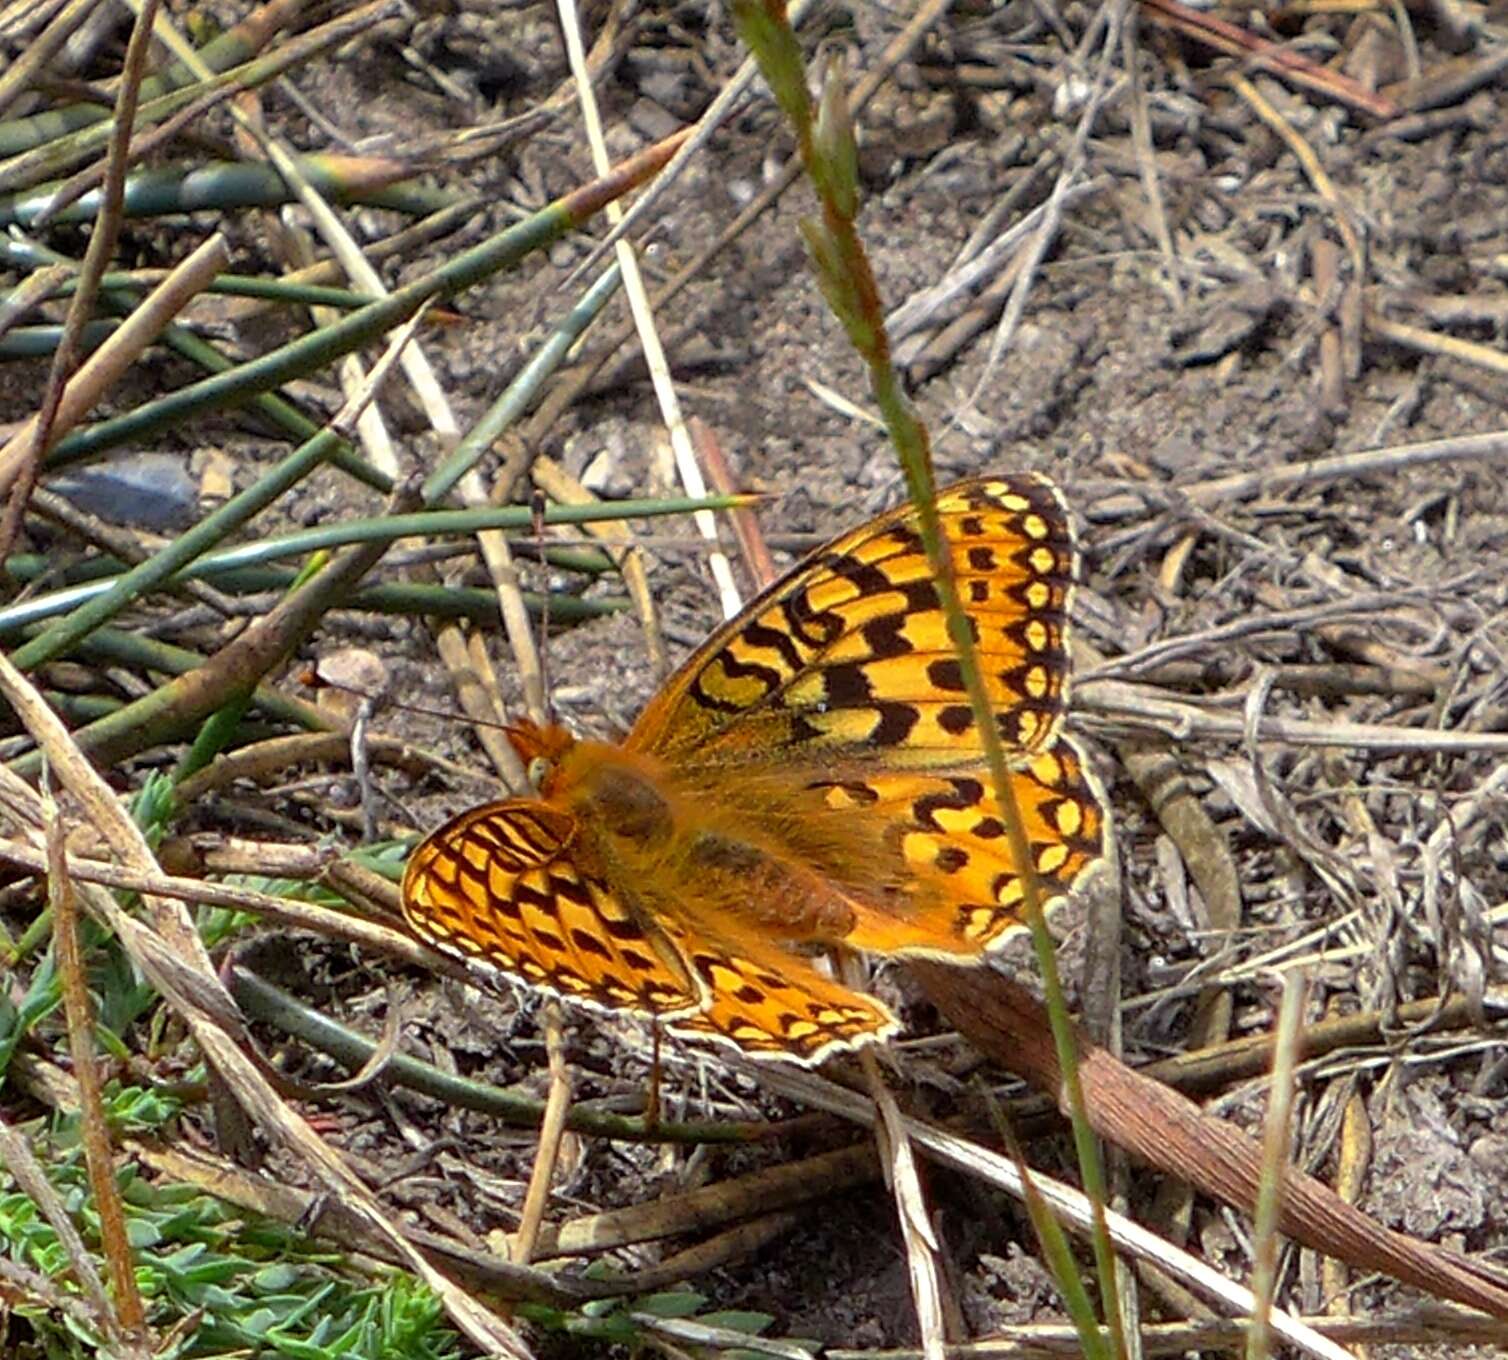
959,891
773,1004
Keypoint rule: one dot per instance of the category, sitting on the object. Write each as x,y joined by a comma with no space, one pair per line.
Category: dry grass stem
904,1182
1276,1144
524,1244
127,1318
692,480
1138,708
992,1169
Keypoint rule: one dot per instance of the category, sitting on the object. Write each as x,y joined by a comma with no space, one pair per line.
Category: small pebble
145,490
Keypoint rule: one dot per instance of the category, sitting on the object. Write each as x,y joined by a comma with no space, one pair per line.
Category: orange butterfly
811,776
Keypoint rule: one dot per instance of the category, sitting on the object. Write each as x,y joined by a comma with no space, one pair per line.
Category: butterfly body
811,776
783,863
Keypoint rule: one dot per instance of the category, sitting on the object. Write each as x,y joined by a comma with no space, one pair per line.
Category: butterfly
811,776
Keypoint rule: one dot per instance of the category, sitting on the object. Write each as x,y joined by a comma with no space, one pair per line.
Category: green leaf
678,1303
274,1278
738,1320
142,1233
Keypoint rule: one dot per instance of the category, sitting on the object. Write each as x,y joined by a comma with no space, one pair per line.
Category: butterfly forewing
850,651
497,887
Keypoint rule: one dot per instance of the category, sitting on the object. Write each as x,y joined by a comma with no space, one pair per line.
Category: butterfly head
540,747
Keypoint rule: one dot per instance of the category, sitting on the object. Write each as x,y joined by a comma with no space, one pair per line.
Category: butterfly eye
539,767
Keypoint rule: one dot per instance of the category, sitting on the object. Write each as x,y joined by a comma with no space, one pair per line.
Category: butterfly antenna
312,678
652,1104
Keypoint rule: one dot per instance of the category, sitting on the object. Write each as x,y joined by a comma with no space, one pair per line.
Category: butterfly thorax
613,793
669,841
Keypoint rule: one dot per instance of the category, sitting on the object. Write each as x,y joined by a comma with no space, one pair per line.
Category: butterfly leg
652,1101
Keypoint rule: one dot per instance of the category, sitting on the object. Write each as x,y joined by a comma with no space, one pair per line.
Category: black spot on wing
528,895
846,685
867,578
568,887
951,858
588,943
621,928
955,719
774,640
946,674
882,636
816,628
895,725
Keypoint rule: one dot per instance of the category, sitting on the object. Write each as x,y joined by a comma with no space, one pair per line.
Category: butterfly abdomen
759,885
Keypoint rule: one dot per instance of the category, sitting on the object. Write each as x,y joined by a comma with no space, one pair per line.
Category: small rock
146,490
345,678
